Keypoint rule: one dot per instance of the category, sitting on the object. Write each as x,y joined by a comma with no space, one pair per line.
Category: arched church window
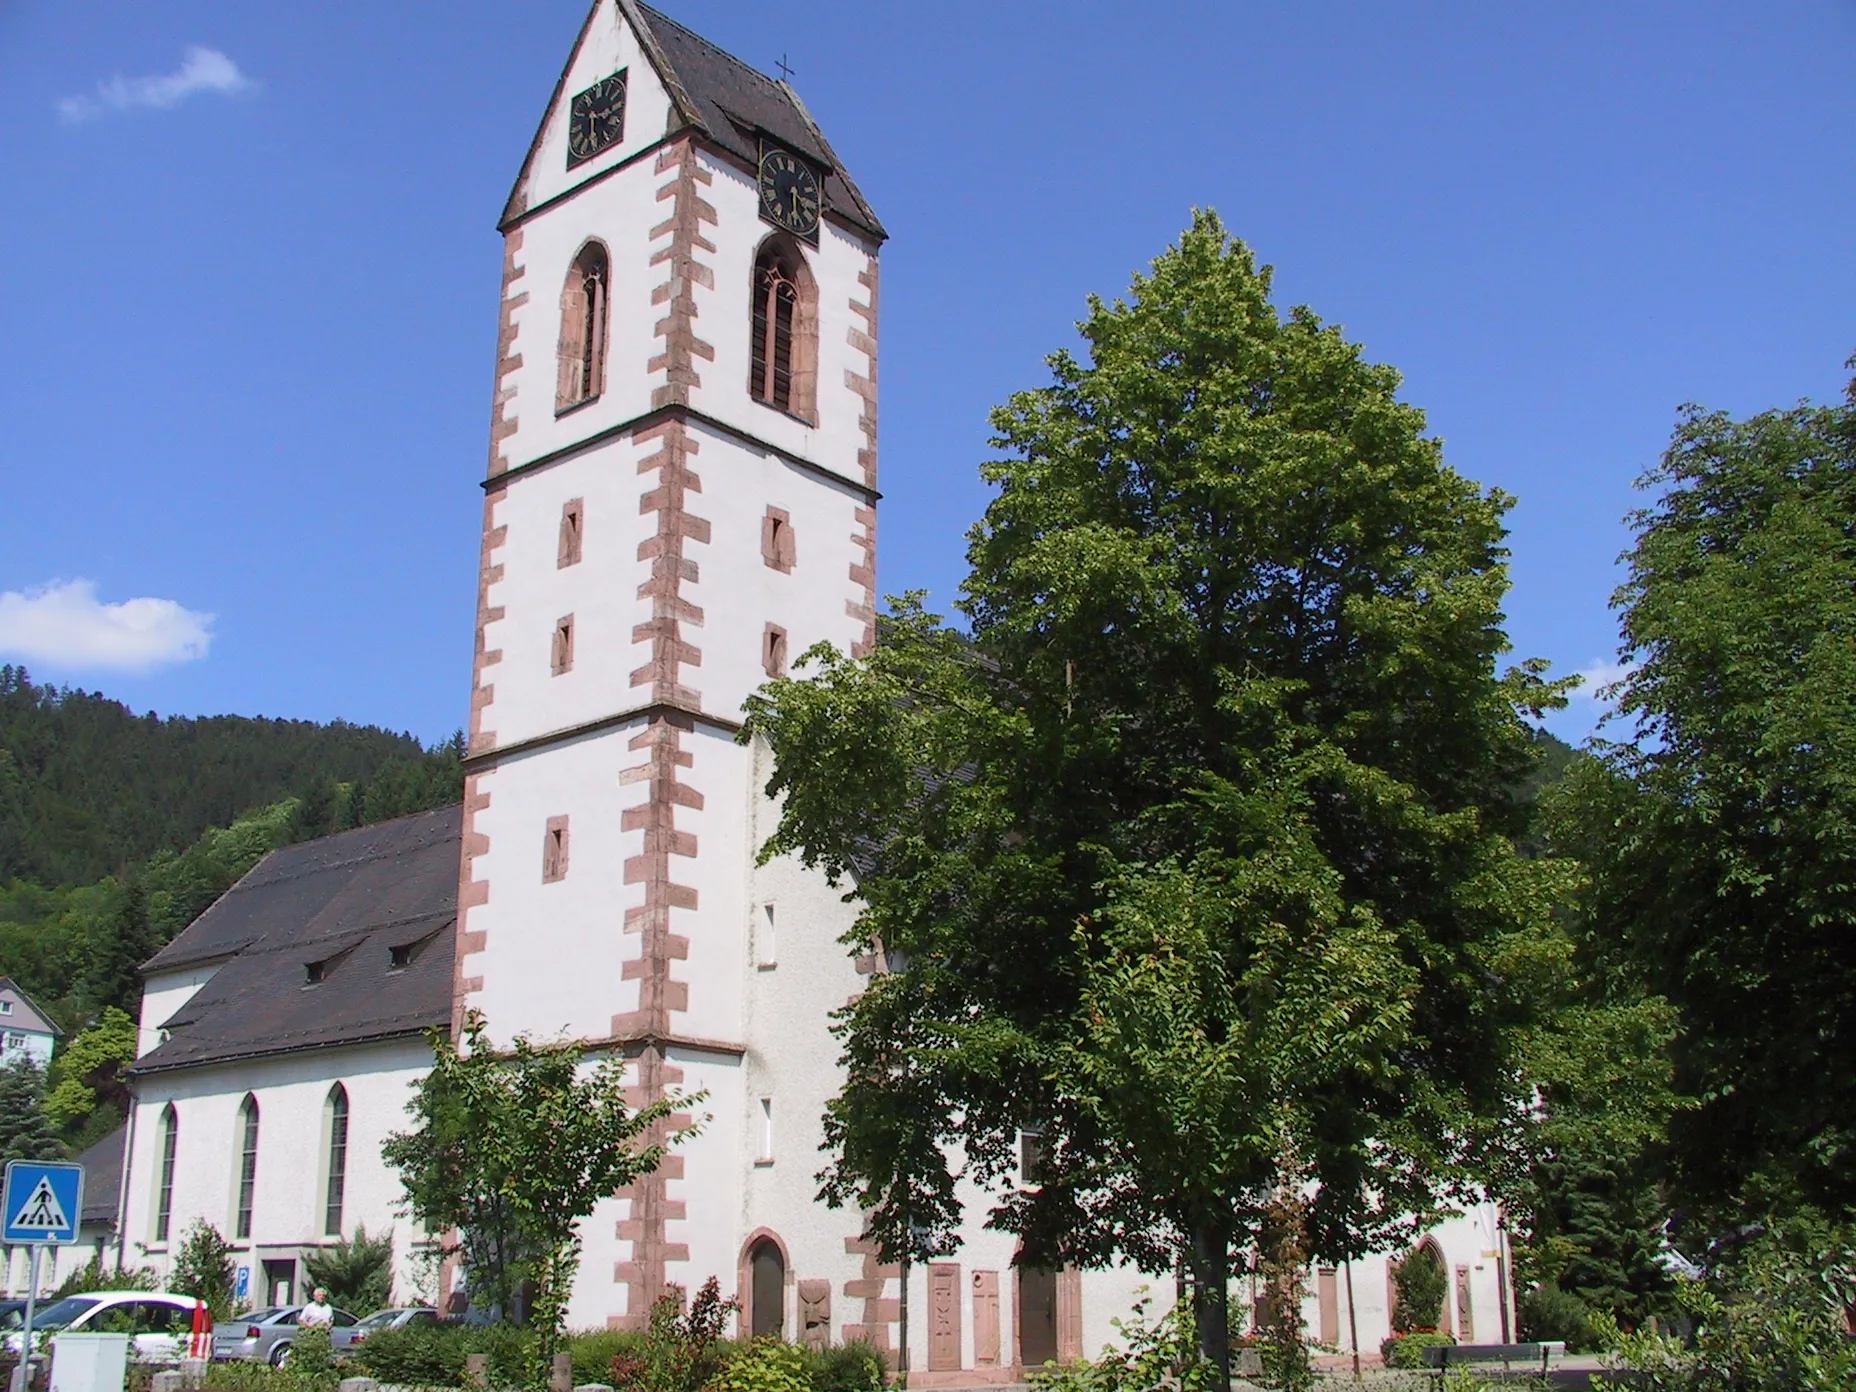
337,1162
583,329
169,1136
247,1164
783,328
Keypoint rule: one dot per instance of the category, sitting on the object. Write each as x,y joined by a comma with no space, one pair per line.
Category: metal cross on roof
786,72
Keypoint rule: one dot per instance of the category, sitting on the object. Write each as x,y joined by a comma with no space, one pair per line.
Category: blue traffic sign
43,1202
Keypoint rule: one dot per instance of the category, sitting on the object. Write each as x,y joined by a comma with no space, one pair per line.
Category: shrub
203,1268
1163,1354
433,1356
1772,1318
679,1352
766,1365
358,1275
311,1362
1547,1312
593,1350
851,1367
1420,1287
1406,1350
239,1376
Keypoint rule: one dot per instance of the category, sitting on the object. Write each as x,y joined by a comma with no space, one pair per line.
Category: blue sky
249,276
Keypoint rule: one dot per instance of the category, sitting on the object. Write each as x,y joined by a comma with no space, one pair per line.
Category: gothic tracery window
583,329
783,330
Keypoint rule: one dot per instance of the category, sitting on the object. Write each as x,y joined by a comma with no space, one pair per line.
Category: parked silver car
343,1340
264,1336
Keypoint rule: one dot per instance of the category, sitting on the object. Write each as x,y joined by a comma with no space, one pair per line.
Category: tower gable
677,82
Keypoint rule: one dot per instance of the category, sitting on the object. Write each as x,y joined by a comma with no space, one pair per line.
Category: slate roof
721,97
102,1164
25,1015
343,903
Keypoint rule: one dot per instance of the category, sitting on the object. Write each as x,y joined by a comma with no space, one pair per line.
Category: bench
1456,1355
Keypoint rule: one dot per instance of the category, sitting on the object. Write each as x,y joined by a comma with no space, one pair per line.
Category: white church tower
681,494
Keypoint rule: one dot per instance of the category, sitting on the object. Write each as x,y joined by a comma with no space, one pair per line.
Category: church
680,494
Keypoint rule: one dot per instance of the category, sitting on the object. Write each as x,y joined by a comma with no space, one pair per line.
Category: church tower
681,495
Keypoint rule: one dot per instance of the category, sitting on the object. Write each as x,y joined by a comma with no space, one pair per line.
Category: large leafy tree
1196,854
1722,838
511,1150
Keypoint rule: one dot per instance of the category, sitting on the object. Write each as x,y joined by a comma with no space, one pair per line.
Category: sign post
42,1206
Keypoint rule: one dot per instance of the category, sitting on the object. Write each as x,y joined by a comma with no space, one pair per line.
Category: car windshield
256,1316
58,1315
380,1319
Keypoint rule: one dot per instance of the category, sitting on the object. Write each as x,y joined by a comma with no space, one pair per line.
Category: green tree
513,1150
85,1076
1720,838
357,1272
1421,1286
203,1268
25,1131
1197,855
112,978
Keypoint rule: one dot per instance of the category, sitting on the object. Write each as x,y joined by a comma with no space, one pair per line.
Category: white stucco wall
34,1046
292,1092
164,993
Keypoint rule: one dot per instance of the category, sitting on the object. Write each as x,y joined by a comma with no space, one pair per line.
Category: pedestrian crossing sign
43,1202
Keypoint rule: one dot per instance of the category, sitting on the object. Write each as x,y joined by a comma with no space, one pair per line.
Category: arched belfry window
337,1161
583,328
247,1165
783,329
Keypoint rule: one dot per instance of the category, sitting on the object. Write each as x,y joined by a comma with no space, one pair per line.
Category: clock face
789,195
596,120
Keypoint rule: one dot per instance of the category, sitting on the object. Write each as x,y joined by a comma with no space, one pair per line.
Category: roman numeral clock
596,120
789,192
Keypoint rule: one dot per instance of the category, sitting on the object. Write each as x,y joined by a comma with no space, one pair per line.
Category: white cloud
1595,676
64,624
201,70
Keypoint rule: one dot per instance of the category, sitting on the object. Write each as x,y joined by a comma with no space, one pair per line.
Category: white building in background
27,1034
681,494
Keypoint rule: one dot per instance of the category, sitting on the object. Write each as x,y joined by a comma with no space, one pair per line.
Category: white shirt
315,1313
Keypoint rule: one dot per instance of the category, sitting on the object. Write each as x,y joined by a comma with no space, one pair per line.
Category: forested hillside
87,787
117,830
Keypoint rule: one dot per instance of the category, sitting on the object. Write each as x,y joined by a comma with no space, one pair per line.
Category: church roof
721,97
336,941
102,1164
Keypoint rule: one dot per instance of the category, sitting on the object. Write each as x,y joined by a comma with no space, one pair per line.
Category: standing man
318,1311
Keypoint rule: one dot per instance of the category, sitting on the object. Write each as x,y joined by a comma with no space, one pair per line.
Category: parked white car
159,1323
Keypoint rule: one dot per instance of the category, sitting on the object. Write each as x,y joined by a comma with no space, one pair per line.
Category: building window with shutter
247,1165
773,650
582,352
777,545
573,518
554,851
561,653
783,329
337,1189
